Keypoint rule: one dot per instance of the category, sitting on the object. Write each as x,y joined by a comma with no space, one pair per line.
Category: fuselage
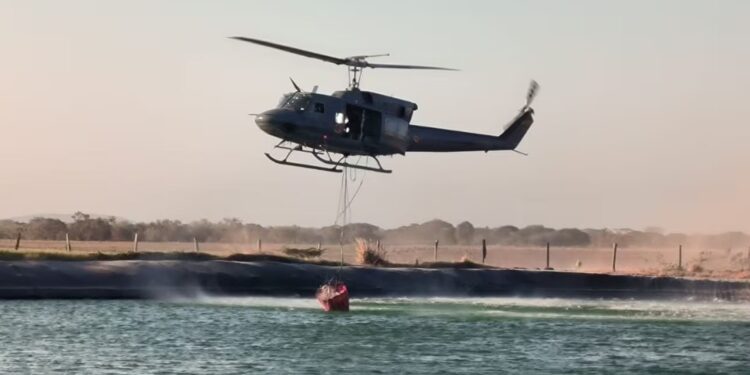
355,122
349,122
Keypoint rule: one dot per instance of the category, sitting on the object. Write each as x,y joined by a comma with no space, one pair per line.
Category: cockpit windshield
296,101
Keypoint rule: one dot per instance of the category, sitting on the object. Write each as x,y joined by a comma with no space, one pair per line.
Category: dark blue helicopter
353,122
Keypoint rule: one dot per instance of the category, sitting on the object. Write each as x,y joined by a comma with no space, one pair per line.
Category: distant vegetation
83,227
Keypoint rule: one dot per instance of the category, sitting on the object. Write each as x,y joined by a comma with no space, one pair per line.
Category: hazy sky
139,109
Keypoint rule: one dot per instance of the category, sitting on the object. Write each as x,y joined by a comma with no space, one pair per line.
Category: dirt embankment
155,279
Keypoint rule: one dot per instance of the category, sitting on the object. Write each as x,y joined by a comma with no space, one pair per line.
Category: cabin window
320,108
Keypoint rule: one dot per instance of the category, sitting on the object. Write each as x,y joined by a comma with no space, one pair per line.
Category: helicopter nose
275,122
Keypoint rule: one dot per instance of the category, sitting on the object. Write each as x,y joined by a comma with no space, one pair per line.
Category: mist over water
526,308
209,334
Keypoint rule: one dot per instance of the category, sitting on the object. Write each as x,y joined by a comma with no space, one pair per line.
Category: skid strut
342,163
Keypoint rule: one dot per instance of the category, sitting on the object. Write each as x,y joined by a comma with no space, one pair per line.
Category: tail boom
428,139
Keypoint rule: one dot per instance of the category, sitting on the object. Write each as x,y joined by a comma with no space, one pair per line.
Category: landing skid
301,165
336,165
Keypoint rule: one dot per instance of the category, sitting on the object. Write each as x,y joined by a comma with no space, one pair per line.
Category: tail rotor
533,89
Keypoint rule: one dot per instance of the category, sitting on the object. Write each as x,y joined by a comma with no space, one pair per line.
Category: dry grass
366,255
60,256
638,261
464,263
189,256
303,253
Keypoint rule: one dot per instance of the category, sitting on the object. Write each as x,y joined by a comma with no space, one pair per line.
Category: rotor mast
355,68
354,77
355,64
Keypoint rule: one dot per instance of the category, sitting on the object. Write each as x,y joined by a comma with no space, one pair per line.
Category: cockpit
297,101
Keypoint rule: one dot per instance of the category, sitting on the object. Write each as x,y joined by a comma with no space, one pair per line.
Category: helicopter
352,122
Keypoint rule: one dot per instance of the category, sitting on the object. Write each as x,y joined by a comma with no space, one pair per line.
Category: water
471,336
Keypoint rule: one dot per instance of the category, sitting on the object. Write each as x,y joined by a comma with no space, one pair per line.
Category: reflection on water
419,335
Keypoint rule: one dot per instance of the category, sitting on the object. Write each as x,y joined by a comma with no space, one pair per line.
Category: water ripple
410,335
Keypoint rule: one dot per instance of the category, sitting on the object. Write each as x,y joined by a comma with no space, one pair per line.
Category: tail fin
513,135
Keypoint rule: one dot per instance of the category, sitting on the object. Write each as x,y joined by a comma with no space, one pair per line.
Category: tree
166,230
285,234
205,231
536,235
465,233
361,230
569,237
46,229
123,230
80,216
9,228
87,229
505,235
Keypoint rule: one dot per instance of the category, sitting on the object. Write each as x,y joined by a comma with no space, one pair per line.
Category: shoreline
154,279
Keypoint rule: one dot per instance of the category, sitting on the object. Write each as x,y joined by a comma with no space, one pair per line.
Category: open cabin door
373,126
364,124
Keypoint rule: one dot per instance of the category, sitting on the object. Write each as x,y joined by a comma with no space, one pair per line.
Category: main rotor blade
395,66
297,51
368,56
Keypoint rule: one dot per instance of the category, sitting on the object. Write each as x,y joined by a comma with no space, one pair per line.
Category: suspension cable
344,214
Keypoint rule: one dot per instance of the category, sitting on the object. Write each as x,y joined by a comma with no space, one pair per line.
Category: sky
139,109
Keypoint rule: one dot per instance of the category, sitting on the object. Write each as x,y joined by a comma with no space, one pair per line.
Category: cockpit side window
296,101
320,108
284,99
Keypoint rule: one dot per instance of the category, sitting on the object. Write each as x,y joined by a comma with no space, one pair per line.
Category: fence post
135,242
679,258
484,250
378,245
260,245
195,243
67,243
436,249
547,264
18,240
614,257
